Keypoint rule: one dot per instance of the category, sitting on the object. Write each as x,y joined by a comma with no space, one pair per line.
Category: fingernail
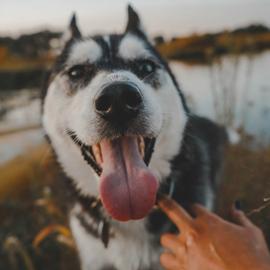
238,205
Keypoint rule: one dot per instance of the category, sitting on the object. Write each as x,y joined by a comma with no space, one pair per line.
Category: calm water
235,92
249,100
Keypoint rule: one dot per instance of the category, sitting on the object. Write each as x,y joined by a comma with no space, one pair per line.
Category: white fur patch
83,51
132,47
129,249
174,121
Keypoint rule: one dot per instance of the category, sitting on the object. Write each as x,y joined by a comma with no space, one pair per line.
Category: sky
166,17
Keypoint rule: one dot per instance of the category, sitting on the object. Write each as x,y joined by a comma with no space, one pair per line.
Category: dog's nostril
132,99
103,103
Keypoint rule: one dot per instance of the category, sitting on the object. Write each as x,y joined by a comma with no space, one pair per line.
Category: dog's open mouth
97,153
127,187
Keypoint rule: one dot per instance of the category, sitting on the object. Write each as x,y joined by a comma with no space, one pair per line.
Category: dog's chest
130,247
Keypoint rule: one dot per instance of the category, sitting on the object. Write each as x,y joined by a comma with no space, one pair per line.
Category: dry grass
12,63
19,174
29,214
247,178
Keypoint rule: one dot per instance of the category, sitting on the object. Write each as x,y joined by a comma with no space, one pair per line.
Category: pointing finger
176,213
240,218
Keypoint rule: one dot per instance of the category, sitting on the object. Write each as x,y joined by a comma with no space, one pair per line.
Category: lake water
234,91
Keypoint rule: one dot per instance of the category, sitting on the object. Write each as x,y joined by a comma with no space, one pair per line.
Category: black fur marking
93,217
88,71
149,149
75,32
86,152
167,68
106,54
60,62
99,227
115,40
197,167
90,160
110,60
133,23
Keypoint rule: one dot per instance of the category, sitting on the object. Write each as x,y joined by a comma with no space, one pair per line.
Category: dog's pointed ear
134,23
73,28
72,31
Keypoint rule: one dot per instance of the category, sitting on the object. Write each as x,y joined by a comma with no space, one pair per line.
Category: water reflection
234,91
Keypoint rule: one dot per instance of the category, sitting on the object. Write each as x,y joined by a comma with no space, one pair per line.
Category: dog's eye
146,68
77,72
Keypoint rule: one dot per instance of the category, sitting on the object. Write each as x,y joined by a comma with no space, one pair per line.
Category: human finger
176,213
173,243
170,262
240,218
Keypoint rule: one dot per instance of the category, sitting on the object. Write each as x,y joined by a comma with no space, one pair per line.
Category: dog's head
109,98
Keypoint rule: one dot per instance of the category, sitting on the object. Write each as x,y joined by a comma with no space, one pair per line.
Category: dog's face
109,98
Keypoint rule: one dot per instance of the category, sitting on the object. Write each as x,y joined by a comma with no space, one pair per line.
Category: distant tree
252,29
159,40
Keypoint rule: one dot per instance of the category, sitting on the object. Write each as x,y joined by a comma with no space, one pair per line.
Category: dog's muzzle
127,186
119,102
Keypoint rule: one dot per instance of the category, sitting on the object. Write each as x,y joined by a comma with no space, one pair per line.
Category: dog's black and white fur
187,156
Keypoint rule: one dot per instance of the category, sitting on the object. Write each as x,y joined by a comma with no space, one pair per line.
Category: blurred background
219,51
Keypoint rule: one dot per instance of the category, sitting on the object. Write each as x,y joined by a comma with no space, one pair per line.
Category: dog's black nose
119,100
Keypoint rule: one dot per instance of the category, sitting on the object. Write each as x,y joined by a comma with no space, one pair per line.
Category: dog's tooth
94,204
95,148
98,157
141,146
100,153
97,153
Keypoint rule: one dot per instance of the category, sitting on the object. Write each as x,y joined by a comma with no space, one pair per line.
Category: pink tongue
127,187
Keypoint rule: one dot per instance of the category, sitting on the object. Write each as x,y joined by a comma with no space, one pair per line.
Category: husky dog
122,132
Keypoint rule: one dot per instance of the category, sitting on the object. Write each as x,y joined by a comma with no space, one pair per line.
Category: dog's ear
134,23
73,28
72,32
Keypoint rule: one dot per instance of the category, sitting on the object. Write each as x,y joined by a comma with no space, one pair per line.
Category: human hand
207,242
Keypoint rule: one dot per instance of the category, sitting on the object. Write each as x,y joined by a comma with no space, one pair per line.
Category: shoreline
13,131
